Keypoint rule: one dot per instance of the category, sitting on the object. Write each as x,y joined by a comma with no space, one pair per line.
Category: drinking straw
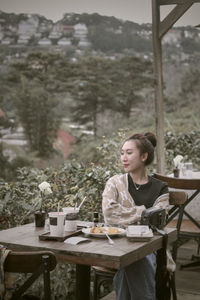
58,207
75,206
81,203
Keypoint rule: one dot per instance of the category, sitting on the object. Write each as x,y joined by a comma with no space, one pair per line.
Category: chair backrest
177,197
36,263
180,183
28,262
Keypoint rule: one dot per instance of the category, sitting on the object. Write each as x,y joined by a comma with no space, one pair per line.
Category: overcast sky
138,11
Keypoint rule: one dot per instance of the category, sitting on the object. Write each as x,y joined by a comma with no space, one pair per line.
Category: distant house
63,142
84,43
44,42
81,31
64,42
68,29
28,26
6,41
56,31
188,34
173,36
23,39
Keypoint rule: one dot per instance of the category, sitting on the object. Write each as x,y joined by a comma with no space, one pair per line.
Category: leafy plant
185,144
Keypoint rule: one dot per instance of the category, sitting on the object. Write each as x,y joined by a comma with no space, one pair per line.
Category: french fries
101,230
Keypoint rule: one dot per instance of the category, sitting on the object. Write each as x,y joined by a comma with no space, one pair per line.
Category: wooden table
96,252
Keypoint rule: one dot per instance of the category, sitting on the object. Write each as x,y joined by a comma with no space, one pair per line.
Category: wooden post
159,111
158,31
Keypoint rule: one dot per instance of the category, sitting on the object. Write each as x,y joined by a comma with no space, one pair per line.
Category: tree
104,84
38,80
190,85
36,109
93,91
131,76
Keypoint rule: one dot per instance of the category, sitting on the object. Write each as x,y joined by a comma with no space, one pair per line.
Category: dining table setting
85,244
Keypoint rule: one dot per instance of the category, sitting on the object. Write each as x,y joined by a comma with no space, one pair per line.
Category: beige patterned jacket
118,206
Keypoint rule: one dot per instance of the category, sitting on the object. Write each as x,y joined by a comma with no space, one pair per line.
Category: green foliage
3,163
131,76
104,85
93,91
185,144
36,109
69,184
190,46
190,85
110,41
35,89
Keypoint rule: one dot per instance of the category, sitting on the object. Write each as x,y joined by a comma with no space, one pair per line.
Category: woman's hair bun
151,137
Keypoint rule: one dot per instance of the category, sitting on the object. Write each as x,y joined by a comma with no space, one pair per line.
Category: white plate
87,232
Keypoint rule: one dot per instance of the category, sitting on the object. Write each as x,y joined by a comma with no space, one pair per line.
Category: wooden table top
96,252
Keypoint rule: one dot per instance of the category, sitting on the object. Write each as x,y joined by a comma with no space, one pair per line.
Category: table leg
82,282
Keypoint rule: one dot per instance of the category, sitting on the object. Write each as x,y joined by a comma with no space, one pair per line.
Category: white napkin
74,240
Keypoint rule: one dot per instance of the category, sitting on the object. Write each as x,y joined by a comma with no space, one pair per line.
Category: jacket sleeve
118,212
162,202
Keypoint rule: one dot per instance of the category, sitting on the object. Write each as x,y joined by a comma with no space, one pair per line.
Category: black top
147,193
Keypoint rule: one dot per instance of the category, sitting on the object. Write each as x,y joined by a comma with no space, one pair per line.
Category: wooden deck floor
187,280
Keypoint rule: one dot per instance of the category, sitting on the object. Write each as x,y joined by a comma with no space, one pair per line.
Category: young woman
124,199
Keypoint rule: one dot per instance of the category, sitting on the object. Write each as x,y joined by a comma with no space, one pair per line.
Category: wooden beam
171,2
159,111
172,17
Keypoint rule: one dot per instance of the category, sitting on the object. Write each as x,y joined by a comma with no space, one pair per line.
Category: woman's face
131,158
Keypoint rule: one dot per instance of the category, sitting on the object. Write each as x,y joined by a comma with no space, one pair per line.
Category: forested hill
88,31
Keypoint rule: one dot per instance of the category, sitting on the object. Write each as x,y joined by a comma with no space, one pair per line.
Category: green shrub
185,144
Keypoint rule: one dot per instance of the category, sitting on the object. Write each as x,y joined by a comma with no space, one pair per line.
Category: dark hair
146,144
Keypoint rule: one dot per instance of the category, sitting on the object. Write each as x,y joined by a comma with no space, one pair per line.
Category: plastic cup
57,223
189,168
71,217
70,225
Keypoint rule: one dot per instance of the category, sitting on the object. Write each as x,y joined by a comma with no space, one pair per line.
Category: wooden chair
102,276
37,263
187,228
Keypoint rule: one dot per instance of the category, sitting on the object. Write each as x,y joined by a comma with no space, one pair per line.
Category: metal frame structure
159,29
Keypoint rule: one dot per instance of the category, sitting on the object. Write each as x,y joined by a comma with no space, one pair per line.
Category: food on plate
97,230
113,230
109,230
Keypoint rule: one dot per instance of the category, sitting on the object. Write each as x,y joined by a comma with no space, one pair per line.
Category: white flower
45,188
177,160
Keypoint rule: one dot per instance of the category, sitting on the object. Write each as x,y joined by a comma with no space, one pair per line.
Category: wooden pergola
159,29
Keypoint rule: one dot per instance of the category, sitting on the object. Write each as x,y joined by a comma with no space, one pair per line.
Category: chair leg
173,284
174,250
46,277
190,265
99,280
95,287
